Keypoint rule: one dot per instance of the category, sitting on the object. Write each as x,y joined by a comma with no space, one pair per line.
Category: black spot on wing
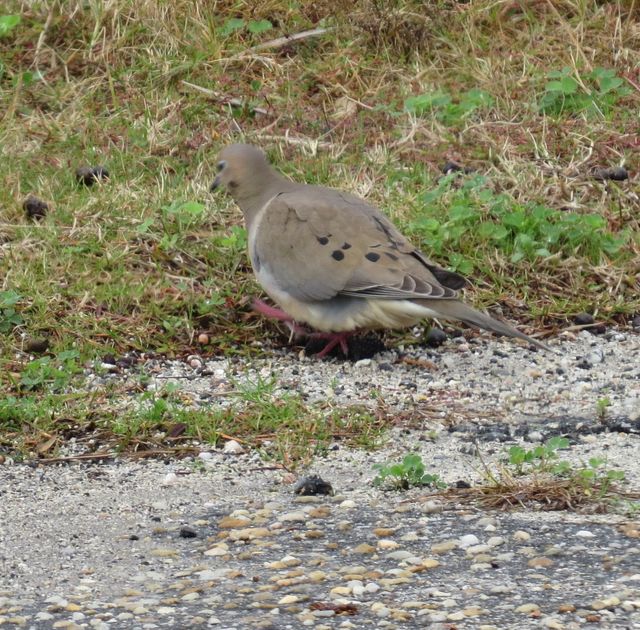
372,256
323,240
346,246
337,255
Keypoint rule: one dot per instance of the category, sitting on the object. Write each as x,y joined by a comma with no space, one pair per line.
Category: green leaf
27,77
516,455
9,298
558,74
608,84
556,443
462,212
8,23
493,230
143,228
515,219
232,25
554,86
68,355
259,26
424,103
569,85
193,208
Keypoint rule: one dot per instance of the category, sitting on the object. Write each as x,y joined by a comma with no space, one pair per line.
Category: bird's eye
221,165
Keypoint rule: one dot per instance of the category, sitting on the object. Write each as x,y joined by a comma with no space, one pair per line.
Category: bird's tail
453,309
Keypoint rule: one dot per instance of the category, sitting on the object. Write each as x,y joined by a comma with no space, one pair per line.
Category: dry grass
545,493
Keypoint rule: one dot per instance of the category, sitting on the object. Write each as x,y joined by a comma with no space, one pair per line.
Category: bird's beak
216,184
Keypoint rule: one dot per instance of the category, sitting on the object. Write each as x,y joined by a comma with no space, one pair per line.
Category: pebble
467,541
233,447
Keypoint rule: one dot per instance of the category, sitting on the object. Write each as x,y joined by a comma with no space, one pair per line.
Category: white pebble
467,541
170,479
233,447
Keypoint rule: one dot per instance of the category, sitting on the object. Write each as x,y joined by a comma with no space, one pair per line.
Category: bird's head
241,170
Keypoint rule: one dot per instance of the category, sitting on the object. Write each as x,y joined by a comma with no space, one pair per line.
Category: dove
334,262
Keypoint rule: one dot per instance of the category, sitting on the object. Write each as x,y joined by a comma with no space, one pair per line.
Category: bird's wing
318,243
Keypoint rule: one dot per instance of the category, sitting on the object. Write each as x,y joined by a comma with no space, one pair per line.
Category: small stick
286,39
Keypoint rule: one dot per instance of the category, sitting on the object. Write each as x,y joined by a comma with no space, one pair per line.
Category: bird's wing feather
318,243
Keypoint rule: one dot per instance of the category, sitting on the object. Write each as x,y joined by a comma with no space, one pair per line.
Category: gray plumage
333,261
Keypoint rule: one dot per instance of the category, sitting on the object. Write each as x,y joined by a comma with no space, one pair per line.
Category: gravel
227,540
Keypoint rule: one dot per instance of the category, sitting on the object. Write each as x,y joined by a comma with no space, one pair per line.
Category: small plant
447,110
521,231
596,477
8,23
597,92
52,373
601,407
406,474
541,458
9,317
255,27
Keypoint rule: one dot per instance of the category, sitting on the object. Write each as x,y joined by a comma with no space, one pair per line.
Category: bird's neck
254,201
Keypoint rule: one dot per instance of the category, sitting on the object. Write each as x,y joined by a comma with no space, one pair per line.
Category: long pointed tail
453,309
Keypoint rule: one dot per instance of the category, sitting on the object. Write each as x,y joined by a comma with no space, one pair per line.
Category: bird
334,262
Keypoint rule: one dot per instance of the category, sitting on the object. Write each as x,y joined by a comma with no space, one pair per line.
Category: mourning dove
334,262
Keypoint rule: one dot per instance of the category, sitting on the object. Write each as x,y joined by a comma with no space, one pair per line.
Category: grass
529,97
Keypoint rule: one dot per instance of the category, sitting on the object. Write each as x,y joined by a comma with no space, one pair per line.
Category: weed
255,27
540,479
596,92
601,407
445,108
541,458
8,23
596,477
9,317
52,373
520,231
406,474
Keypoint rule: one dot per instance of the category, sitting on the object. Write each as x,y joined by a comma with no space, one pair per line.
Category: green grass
530,98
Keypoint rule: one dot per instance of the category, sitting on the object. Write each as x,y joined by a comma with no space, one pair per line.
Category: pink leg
276,313
270,311
333,339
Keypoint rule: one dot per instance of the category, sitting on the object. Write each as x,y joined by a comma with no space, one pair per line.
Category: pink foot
333,340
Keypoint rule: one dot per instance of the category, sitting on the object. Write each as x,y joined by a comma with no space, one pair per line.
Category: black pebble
89,175
313,485
453,167
37,346
616,173
435,337
35,208
134,537
583,319
188,532
462,484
